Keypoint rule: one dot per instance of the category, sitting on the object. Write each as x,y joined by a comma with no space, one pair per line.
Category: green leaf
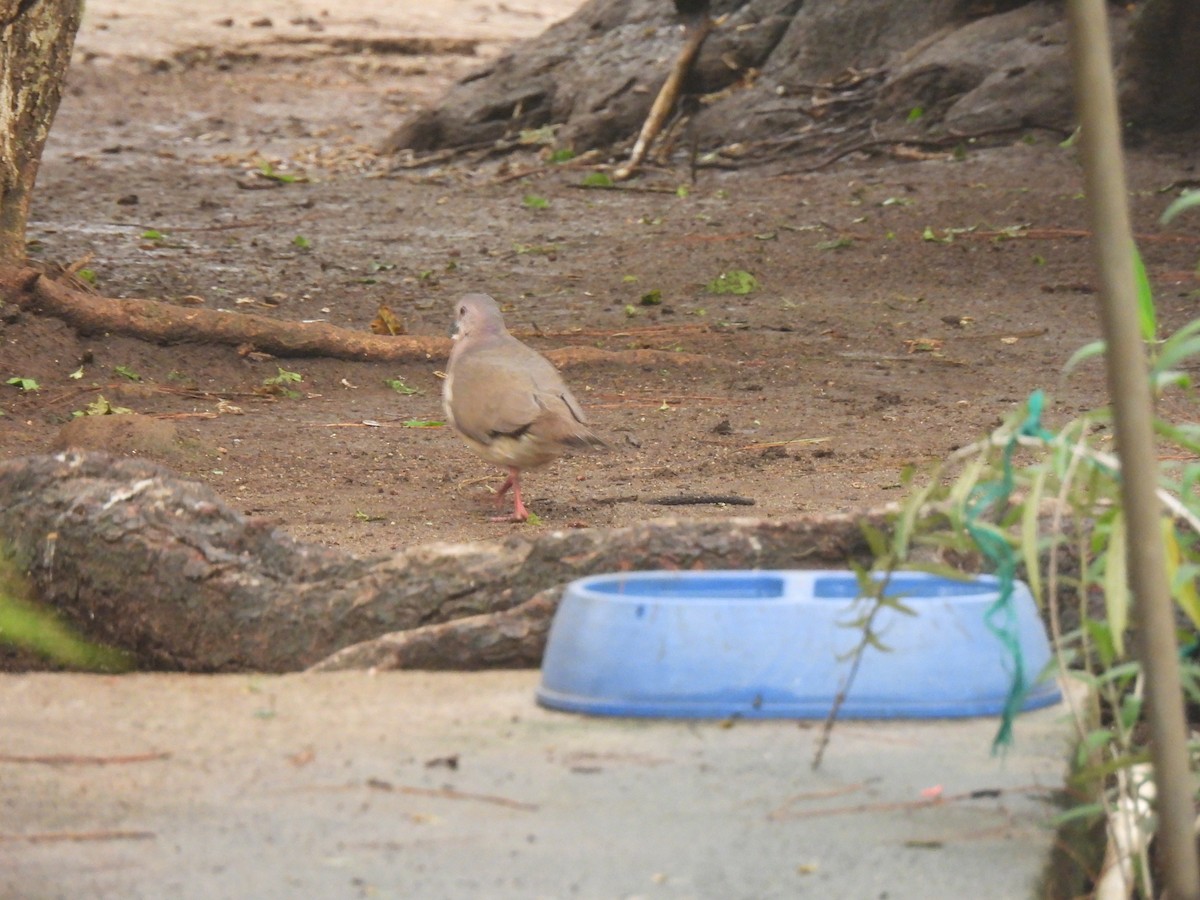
915,113
928,235
1087,351
652,298
302,242
1181,578
25,624
266,170
1030,512
101,407
152,234
398,385
1181,345
543,136
736,281
1116,584
837,244
682,191
1147,317
533,201
24,384
126,372
1184,202
562,155
284,377
597,180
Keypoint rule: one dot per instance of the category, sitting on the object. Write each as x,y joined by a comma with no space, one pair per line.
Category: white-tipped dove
506,400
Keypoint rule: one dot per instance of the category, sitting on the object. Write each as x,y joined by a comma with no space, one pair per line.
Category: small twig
448,794
922,803
69,759
702,500
767,445
629,188
950,140
1169,500
221,226
782,811
694,35
47,837
613,501
582,161
864,643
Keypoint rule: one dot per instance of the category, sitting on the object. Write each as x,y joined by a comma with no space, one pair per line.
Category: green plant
278,383
25,624
101,407
735,281
1048,506
397,384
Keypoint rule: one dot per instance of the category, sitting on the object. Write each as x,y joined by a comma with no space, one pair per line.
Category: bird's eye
462,310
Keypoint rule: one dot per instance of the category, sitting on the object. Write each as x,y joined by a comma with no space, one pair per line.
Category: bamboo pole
1129,387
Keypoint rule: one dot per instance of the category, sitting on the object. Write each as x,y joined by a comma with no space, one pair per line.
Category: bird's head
476,314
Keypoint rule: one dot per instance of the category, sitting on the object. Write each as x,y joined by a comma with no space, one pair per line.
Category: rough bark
139,560
36,38
774,76
166,323
1160,74
510,639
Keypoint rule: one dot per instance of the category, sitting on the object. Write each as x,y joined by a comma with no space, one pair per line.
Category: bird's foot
512,517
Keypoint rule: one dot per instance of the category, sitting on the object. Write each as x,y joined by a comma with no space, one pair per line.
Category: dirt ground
865,345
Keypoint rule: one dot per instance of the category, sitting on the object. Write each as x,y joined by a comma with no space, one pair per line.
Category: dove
506,400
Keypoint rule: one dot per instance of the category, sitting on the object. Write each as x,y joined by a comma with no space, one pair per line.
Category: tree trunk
1161,71
781,77
36,38
135,558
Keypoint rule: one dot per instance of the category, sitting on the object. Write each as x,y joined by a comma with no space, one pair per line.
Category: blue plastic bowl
774,644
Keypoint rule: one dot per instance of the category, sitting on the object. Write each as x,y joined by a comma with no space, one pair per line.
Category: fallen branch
136,558
510,639
695,33
166,323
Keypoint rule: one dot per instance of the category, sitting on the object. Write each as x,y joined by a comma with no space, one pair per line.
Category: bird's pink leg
508,482
519,513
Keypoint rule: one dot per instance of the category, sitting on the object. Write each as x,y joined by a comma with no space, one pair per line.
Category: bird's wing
493,394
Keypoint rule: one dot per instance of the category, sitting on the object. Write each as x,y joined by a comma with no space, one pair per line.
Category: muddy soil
865,345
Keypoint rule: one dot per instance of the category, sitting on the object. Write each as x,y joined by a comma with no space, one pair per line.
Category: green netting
1001,616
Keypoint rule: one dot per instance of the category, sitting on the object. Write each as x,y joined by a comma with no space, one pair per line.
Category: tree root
166,323
136,558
